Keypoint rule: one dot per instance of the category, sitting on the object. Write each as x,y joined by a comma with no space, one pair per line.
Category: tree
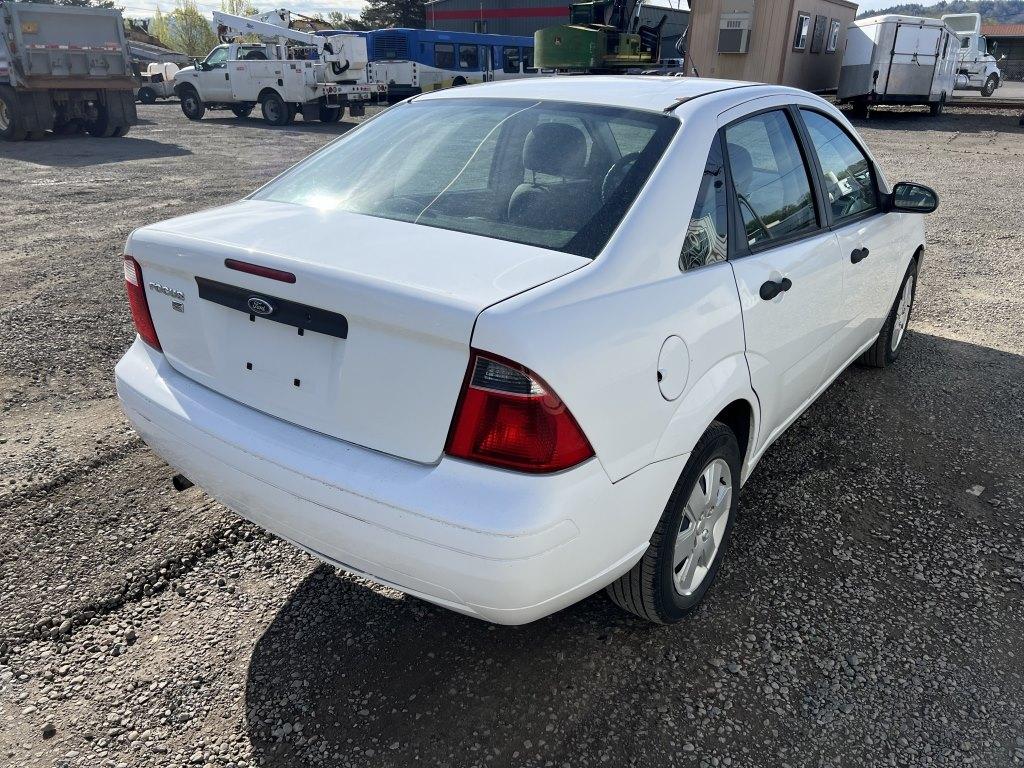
339,20
160,28
80,3
238,7
381,14
190,31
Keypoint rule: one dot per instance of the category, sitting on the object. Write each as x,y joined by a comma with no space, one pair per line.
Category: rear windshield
549,174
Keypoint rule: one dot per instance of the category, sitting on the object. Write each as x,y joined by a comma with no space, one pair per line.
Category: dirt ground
869,613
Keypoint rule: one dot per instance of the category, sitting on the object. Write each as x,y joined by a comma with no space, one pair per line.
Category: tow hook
181,483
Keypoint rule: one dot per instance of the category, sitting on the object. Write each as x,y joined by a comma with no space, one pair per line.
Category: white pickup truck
315,75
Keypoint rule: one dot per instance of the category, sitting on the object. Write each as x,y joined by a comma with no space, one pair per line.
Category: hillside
992,11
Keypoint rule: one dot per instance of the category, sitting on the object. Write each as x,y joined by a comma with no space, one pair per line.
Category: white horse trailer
898,60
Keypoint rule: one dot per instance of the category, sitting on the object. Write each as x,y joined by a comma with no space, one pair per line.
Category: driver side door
214,78
870,240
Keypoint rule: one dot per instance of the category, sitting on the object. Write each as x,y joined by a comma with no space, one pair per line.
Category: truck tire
275,111
242,111
12,127
935,108
147,95
860,108
191,105
331,115
103,127
991,83
121,130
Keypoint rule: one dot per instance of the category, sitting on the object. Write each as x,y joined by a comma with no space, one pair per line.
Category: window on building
444,55
707,237
480,27
772,185
469,57
528,60
803,31
833,36
510,59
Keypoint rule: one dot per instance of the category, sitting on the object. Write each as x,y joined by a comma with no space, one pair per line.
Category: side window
510,60
218,57
847,172
773,189
707,236
444,55
803,28
469,57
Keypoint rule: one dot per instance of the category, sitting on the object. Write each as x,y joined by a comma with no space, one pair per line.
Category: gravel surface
869,613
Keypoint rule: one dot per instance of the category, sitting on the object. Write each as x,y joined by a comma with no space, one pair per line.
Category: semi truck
65,69
288,72
977,69
894,59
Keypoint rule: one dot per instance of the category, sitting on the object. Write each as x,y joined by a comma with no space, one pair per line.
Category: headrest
742,167
556,149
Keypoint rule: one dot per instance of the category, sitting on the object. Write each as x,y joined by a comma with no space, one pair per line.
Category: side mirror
913,198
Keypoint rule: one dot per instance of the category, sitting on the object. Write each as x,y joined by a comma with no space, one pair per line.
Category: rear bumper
502,546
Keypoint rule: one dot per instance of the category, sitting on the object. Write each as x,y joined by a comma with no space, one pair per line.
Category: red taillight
136,291
507,416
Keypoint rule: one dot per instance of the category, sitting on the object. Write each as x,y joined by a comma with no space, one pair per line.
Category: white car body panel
353,470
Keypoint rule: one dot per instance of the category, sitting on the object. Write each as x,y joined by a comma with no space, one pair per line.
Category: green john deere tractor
602,37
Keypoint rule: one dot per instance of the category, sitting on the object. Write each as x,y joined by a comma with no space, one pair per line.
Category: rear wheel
860,108
275,111
991,83
147,95
936,107
102,127
191,104
242,111
886,348
331,115
11,126
692,536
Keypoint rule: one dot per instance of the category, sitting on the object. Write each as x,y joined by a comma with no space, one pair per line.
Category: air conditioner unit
734,31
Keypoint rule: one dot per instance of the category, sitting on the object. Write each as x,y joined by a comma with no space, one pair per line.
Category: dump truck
65,69
602,37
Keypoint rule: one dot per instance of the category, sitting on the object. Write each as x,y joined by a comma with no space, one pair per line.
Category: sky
143,8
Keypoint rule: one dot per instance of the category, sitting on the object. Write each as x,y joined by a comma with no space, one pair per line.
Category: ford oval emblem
260,306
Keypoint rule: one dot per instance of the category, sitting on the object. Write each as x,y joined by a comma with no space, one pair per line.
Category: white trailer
290,72
898,60
977,69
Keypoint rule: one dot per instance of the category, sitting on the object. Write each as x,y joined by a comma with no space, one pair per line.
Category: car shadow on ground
79,151
359,674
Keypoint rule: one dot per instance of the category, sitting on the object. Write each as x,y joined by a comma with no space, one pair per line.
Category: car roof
654,93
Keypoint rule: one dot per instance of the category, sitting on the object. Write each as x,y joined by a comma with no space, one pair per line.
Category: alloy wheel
702,529
902,319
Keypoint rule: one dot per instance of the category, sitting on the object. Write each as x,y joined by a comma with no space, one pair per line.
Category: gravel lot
870,612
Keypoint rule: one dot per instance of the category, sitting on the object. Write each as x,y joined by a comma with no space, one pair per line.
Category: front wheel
692,536
191,104
242,111
147,95
886,348
991,83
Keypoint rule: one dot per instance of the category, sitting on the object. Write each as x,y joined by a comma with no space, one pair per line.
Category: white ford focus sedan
502,346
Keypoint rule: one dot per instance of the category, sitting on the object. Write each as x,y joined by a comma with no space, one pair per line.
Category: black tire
331,115
122,130
991,83
882,352
191,105
147,95
12,126
275,111
242,111
458,81
936,108
648,589
860,108
36,135
102,127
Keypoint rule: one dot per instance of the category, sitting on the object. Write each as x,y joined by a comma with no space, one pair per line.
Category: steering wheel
619,170
757,219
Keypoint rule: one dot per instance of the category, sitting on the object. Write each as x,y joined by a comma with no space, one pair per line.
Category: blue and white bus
413,61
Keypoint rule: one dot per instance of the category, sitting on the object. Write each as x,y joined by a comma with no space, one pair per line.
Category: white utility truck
894,59
977,69
288,72
64,69
157,82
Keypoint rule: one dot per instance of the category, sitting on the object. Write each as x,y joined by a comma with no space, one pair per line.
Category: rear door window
770,178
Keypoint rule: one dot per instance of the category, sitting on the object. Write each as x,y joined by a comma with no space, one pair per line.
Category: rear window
555,175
